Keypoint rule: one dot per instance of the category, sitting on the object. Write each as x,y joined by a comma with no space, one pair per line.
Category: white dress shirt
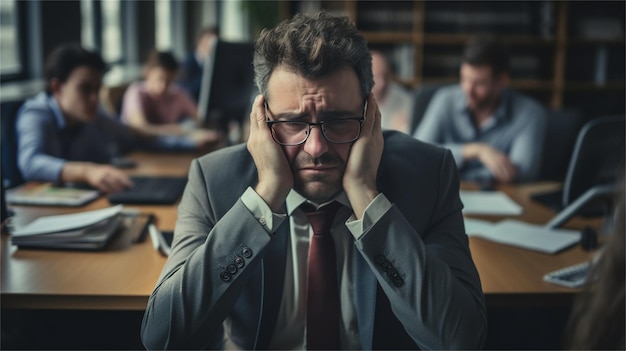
290,330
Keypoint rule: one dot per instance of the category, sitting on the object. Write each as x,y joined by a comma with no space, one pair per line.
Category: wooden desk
511,275
119,278
123,276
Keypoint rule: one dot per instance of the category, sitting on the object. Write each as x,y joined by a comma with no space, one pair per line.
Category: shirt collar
53,104
501,113
294,200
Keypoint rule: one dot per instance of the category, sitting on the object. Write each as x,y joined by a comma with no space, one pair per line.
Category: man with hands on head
239,273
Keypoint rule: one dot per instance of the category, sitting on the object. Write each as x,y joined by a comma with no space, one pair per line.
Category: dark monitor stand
603,193
227,85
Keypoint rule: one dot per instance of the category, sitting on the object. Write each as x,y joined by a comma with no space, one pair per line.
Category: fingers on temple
257,114
372,118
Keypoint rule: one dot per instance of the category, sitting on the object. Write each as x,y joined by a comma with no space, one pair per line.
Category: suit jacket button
387,266
398,282
225,276
393,274
246,252
239,262
231,268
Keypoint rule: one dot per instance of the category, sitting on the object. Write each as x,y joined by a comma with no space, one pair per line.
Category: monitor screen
227,85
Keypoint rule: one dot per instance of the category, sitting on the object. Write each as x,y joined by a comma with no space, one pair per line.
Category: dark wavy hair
487,50
65,58
162,59
313,46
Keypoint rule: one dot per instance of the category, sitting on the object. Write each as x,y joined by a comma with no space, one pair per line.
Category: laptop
151,190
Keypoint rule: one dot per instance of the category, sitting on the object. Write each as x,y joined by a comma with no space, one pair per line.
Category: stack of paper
84,230
488,203
524,235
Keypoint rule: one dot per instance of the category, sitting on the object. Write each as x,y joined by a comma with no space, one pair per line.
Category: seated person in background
157,105
397,272
63,135
393,100
192,68
494,133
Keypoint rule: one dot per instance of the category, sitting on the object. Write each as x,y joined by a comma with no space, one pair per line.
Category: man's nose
316,145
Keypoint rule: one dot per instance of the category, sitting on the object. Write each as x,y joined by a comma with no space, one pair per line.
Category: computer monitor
596,165
227,85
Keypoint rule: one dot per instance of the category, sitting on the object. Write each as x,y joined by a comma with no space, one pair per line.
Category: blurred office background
568,54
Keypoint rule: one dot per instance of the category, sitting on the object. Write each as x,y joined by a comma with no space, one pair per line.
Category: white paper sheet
489,203
524,235
60,223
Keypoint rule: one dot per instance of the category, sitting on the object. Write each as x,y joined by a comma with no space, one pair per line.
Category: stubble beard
318,187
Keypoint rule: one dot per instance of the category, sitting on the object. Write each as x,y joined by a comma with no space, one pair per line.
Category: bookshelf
560,50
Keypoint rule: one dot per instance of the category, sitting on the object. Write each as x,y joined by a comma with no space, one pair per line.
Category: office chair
596,165
421,98
561,132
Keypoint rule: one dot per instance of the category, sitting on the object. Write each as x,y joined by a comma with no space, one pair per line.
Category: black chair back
421,99
598,156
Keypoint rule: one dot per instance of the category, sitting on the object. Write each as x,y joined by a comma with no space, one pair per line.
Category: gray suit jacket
434,300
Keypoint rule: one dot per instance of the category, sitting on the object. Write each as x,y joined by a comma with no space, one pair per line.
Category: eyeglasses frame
270,123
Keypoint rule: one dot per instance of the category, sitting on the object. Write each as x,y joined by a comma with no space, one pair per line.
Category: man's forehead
84,73
339,86
482,70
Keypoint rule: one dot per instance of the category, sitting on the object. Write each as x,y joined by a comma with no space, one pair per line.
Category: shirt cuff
374,211
261,211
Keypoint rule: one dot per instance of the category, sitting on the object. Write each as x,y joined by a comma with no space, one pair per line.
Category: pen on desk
154,235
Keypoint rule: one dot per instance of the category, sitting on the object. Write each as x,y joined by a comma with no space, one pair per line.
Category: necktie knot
321,220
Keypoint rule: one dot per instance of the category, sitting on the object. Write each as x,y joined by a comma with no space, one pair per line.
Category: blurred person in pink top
158,105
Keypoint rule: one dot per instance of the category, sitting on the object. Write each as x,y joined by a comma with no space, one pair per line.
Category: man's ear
55,86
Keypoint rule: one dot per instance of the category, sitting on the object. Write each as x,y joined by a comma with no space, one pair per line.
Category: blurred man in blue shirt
494,133
63,135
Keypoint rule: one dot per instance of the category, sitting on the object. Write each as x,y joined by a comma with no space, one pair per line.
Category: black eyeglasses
336,131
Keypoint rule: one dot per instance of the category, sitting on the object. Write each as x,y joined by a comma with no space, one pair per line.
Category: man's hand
497,162
107,178
359,179
275,177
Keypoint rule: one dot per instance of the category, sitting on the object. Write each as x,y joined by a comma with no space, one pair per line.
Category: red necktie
322,288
